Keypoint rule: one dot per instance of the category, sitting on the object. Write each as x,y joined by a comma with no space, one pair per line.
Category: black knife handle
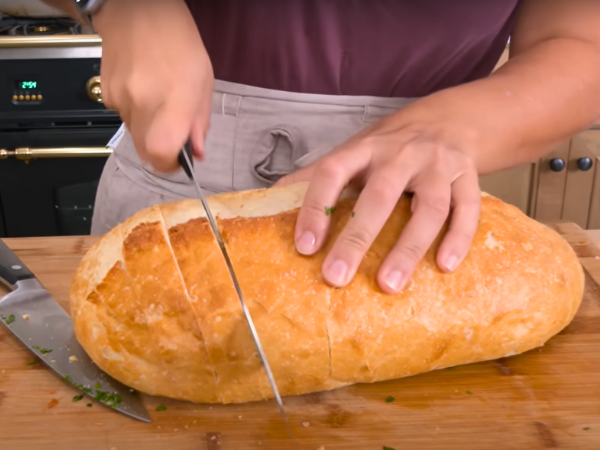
181,158
12,268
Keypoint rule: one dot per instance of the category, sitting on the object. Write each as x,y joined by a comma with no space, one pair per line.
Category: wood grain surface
544,399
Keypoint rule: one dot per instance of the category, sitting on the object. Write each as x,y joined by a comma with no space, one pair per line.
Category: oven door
49,179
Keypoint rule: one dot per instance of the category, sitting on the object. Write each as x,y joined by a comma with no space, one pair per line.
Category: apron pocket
274,159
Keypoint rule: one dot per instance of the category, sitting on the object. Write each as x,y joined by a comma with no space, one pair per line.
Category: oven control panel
27,91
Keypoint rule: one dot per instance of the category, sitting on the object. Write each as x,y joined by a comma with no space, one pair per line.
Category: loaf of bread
154,305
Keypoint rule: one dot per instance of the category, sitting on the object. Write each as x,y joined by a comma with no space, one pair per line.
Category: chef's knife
185,160
39,322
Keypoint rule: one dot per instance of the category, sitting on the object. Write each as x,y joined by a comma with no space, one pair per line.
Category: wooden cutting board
544,399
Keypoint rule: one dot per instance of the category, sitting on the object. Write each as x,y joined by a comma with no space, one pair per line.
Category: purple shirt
398,48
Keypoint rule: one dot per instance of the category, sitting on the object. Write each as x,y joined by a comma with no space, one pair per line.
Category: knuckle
412,251
469,201
462,236
137,92
359,239
328,168
468,164
315,209
436,206
385,187
370,141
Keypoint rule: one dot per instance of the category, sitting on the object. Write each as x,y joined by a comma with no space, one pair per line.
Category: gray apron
256,136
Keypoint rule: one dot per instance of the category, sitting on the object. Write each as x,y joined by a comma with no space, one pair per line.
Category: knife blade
36,319
185,160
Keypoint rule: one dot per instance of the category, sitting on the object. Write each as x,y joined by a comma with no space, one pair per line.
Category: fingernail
451,262
394,280
305,244
336,272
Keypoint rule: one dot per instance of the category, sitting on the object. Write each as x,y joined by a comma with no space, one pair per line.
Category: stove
27,26
54,128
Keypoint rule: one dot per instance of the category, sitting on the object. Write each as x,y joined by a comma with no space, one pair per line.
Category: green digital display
27,85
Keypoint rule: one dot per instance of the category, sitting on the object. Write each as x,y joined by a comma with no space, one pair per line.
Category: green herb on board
97,385
42,350
89,405
77,398
10,319
586,428
160,408
390,399
111,400
387,448
469,392
32,363
329,210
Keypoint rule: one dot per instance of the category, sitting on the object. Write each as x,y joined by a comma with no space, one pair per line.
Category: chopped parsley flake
32,363
586,428
329,210
77,398
470,392
97,385
10,319
42,350
390,399
387,448
160,408
89,405
112,400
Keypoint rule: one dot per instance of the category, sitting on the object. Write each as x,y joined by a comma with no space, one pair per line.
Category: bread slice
154,306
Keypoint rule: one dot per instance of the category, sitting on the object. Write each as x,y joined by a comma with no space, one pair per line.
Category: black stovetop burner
27,26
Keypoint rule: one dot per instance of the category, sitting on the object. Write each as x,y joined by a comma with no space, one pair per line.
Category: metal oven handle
27,154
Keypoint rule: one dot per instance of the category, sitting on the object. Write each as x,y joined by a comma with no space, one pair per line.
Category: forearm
537,100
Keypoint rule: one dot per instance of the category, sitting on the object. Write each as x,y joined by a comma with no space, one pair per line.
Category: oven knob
557,164
94,90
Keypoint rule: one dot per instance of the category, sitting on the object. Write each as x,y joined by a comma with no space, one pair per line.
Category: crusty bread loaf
154,306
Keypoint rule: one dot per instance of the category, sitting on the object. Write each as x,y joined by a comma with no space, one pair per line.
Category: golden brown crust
155,307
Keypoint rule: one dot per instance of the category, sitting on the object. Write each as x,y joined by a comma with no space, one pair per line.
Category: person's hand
407,151
157,75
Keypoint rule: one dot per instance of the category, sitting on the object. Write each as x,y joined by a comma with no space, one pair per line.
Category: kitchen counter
545,398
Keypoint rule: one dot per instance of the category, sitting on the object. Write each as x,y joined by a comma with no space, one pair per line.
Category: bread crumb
73,358
239,417
25,316
305,424
114,448
321,447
